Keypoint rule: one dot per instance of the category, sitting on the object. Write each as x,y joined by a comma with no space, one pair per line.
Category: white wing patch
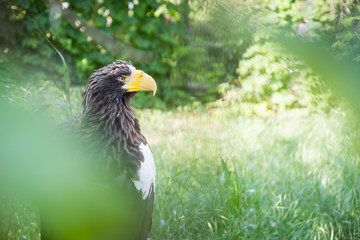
146,172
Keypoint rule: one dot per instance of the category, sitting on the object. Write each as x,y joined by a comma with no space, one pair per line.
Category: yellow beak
140,81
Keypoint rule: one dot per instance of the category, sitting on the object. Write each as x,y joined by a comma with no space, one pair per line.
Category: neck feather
113,118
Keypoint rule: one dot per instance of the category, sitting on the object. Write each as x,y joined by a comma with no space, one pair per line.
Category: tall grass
68,106
221,175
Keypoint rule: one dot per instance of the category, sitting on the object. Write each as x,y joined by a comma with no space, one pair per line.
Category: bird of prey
108,124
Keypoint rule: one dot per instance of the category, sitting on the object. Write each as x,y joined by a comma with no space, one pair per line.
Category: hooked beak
140,81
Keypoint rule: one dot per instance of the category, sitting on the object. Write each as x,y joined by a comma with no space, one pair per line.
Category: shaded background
196,50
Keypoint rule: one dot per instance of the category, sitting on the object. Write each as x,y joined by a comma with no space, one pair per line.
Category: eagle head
118,80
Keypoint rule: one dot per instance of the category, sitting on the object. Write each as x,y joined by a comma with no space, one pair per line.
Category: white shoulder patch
146,172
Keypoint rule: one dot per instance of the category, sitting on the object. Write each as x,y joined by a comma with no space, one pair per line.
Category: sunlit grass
224,175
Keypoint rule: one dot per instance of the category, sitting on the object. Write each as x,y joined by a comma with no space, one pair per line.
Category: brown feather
109,124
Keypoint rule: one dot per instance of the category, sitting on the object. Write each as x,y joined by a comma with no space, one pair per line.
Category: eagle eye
122,79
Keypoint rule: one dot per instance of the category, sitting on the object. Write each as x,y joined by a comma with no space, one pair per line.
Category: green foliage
66,77
15,213
191,45
347,42
273,76
223,173
156,27
268,74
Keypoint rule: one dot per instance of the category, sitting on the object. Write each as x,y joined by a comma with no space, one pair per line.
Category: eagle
108,127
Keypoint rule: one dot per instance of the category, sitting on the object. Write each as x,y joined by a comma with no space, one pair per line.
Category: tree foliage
272,75
91,34
190,47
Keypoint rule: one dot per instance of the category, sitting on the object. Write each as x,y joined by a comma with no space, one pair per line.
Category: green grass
224,175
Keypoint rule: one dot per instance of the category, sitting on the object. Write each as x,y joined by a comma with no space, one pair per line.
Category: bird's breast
146,173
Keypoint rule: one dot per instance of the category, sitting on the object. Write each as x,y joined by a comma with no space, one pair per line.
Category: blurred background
254,126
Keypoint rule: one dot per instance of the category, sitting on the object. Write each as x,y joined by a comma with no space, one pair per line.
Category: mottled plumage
108,124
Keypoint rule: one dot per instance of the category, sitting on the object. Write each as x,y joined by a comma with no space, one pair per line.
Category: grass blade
66,71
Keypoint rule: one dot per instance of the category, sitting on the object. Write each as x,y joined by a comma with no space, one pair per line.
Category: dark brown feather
108,124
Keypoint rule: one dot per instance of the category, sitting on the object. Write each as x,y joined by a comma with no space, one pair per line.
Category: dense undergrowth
189,47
